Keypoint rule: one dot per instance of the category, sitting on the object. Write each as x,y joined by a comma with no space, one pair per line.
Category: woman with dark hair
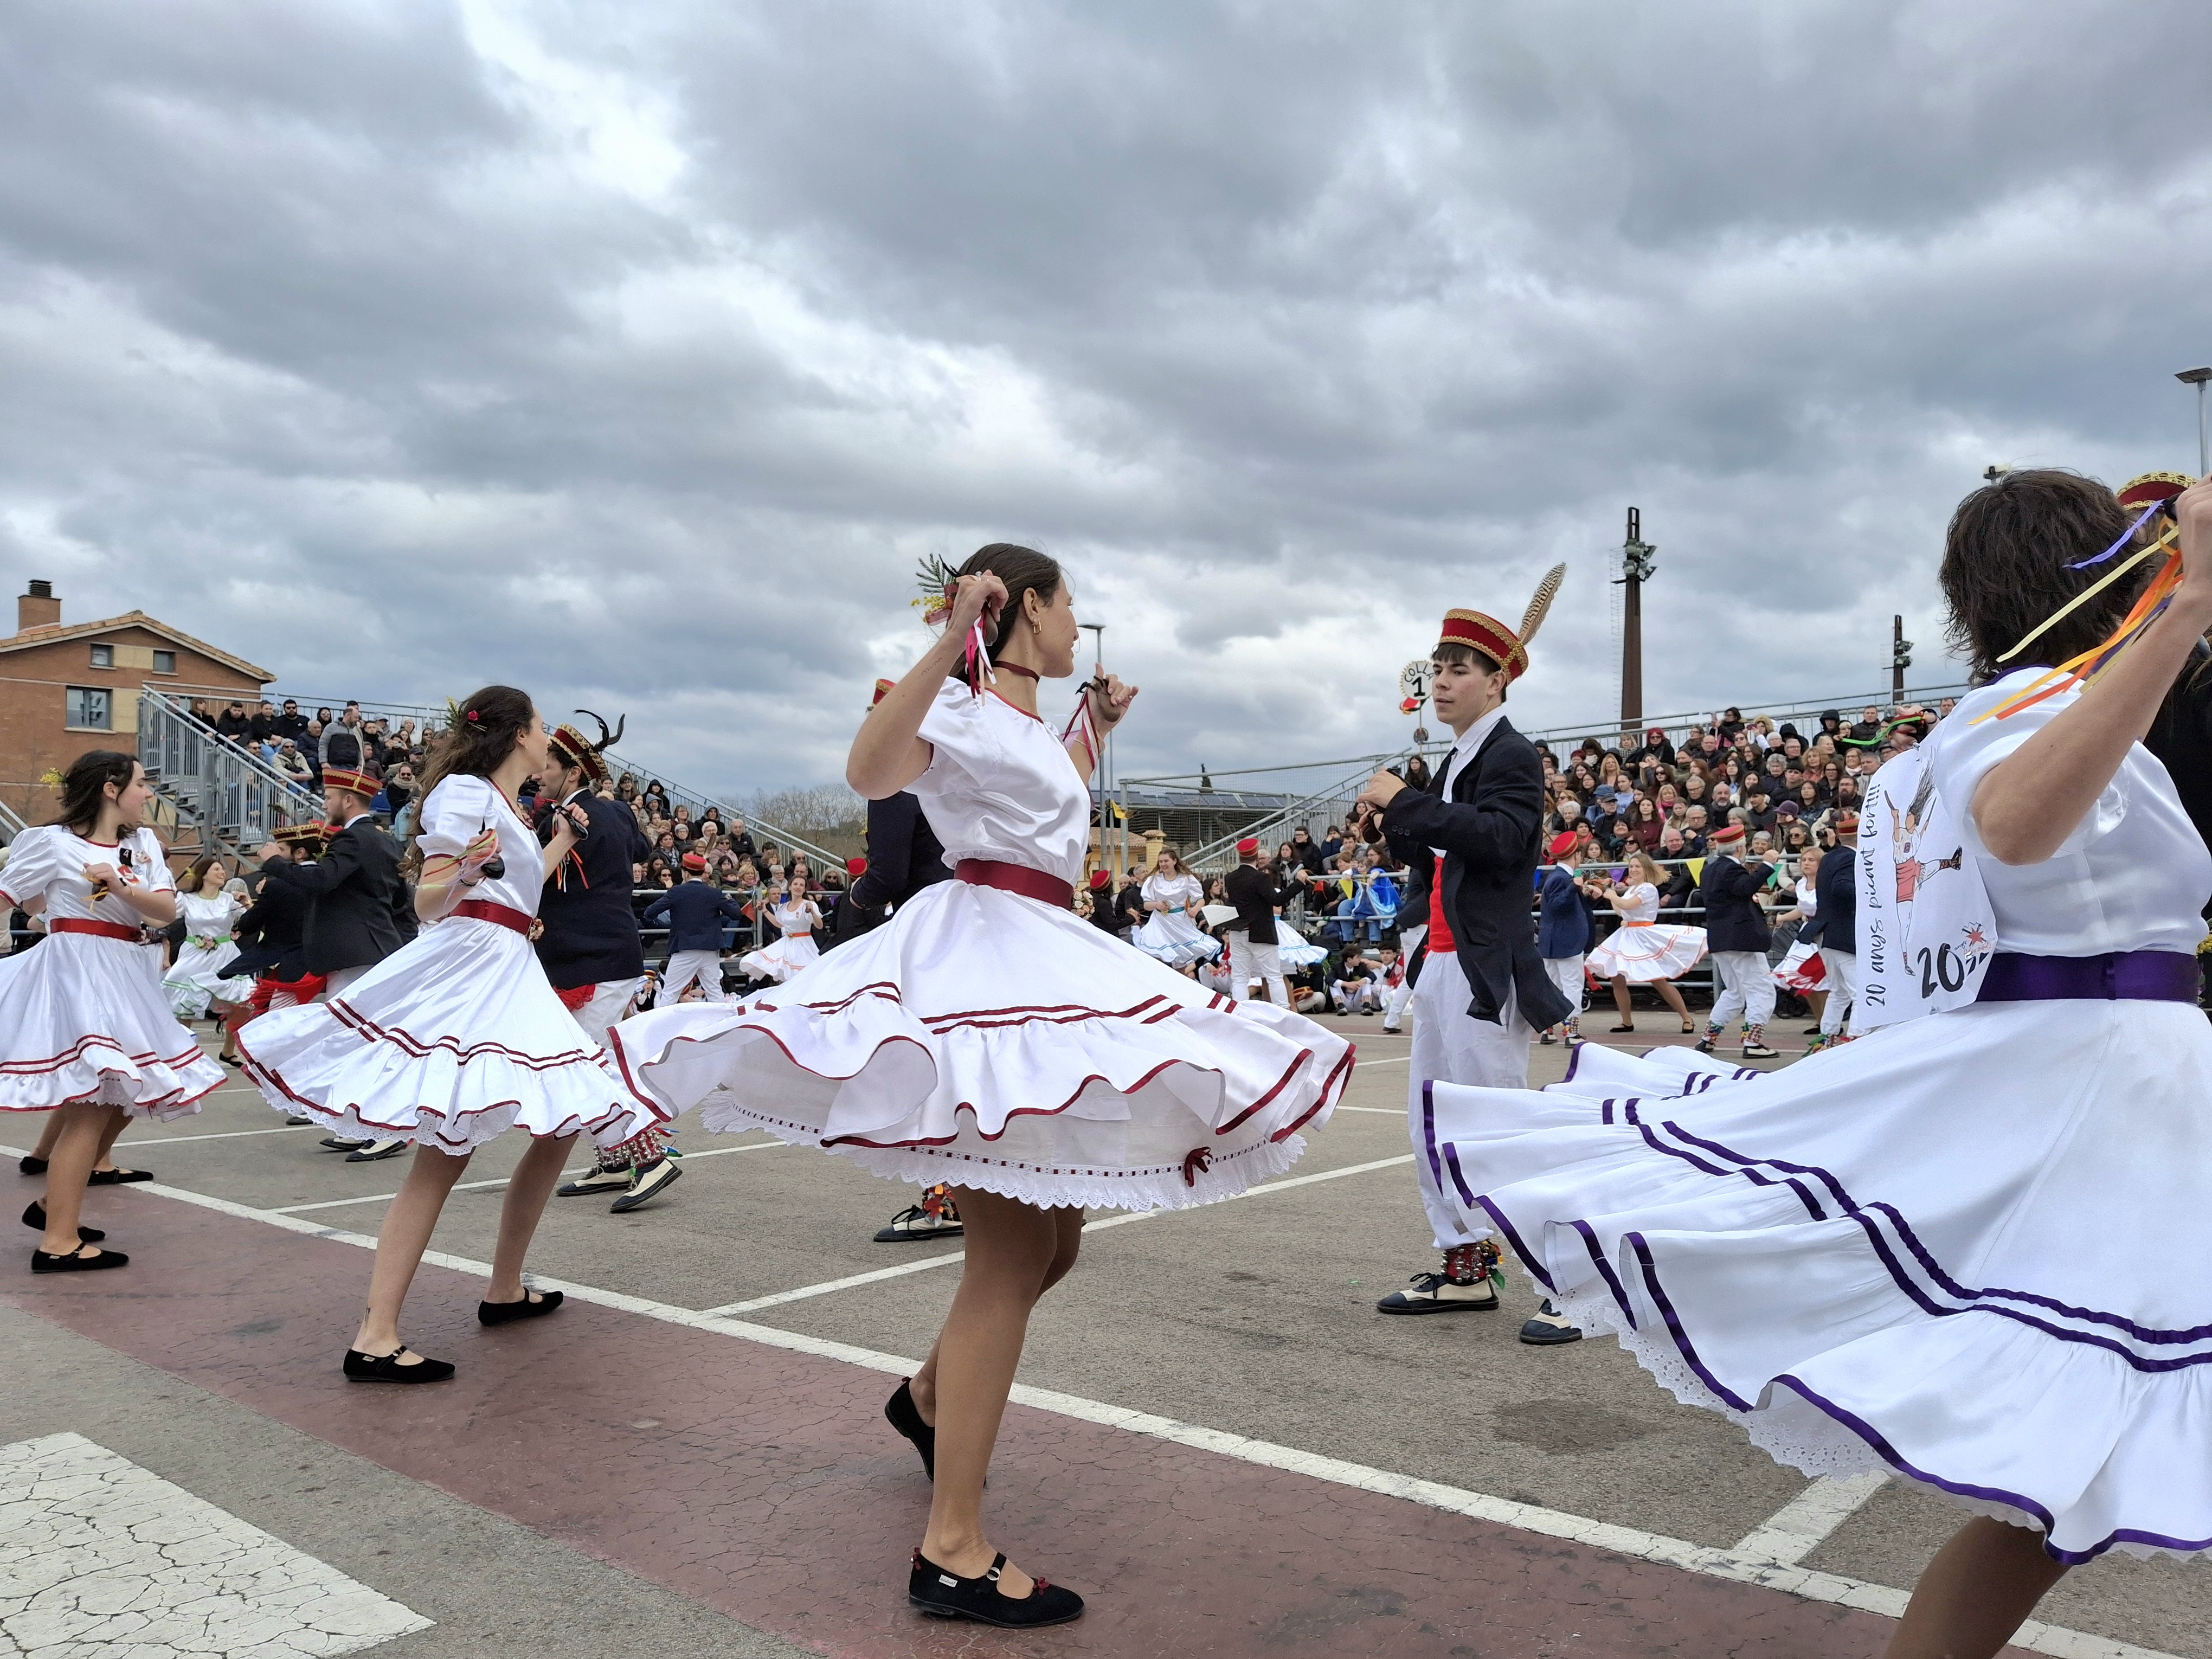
1854,1257
458,1037
988,1038
85,1030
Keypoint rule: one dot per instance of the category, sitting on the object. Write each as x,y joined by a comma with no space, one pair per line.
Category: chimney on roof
39,608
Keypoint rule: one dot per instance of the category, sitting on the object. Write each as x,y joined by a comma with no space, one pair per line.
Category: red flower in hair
473,718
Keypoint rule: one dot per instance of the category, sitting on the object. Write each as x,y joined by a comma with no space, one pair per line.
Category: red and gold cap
2139,492
856,866
359,783
882,690
1504,646
572,748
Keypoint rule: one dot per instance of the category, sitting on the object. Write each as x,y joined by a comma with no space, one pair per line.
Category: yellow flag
1696,869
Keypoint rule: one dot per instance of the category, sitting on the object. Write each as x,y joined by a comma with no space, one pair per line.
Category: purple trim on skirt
2116,976
1429,1130
1636,1242
1605,1269
1529,1259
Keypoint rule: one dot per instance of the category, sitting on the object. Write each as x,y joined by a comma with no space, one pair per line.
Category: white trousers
686,966
338,979
1566,973
1249,962
1843,967
610,1000
1746,988
1353,994
1451,1046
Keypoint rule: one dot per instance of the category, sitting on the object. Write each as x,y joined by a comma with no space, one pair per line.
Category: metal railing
224,792
11,824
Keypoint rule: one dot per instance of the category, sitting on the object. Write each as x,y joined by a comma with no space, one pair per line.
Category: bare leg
1975,1593
1068,1224
1817,1002
117,1121
1620,1000
1012,1248
400,1243
1673,999
535,1175
75,1146
47,1136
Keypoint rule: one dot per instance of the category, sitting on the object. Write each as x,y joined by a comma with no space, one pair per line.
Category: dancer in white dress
987,1038
1643,950
1173,898
196,980
797,916
1853,1258
85,1031
458,1035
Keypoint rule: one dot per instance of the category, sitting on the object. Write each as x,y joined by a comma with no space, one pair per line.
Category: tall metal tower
1636,568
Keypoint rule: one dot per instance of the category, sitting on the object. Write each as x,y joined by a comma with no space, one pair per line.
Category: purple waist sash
2116,976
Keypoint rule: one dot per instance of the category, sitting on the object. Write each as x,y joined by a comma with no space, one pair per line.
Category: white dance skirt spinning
84,1019
1294,949
1174,939
195,978
1648,951
1967,1249
447,1042
780,960
992,1041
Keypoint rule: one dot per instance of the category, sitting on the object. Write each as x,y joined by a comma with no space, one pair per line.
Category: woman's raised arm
887,752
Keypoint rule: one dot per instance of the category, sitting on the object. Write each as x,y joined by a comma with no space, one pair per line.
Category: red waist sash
102,929
505,914
1018,879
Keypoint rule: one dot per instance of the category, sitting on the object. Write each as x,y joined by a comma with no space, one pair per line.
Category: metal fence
222,790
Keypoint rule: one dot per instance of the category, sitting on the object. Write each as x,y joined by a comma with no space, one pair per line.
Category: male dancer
1736,937
1483,991
1253,952
272,941
588,939
695,910
1564,931
358,909
1835,926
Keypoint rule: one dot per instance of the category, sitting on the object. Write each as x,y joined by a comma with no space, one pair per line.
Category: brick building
65,689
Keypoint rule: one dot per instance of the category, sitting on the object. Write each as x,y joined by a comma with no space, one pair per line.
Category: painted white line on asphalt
1805,1522
471,1186
1381,1111
1827,1587
1395,1060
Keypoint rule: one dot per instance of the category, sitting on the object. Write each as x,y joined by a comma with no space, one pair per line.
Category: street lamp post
2197,377
1104,768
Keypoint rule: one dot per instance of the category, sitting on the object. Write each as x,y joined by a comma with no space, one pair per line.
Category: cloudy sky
635,354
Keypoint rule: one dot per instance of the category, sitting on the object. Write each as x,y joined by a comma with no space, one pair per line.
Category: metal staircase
218,798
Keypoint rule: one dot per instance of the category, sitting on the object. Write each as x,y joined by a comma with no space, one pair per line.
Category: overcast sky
635,354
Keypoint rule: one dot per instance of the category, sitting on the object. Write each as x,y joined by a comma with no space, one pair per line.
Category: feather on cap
1504,646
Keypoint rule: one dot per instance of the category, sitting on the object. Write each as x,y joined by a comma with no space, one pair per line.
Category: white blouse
50,860
1643,903
999,786
1174,891
460,808
1809,900
2133,875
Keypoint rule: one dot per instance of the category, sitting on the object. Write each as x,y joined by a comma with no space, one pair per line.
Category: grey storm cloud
636,354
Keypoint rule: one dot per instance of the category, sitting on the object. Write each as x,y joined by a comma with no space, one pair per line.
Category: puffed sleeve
33,858
965,753
454,814
151,862
1967,752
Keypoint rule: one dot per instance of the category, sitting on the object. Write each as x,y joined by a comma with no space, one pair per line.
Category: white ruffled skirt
992,1041
1967,1250
780,960
195,978
1173,937
84,1019
1646,952
448,1042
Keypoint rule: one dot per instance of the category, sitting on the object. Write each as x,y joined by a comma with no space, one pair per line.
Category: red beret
856,866
1247,846
1100,878
1562,842
694,861
1727,832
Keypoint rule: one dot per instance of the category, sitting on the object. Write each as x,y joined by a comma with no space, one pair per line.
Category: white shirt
999,786
461,807
1464,749
50,860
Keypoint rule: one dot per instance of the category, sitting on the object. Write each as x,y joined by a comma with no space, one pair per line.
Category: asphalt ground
1255,1318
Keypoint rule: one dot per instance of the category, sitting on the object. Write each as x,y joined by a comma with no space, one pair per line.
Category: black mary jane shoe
116,1177
386,1368
30,1163
1624,1027
905,1416
36,1217
76,1262
506,1313
947,1595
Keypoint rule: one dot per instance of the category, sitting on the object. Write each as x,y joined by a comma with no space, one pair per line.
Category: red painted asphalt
765,1484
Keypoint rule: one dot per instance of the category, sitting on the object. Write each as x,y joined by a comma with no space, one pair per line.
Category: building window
165,662
103,656
90,708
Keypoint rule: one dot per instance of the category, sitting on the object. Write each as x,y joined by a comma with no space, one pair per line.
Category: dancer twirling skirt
1854,1258
85,1030
458,1037
989,1038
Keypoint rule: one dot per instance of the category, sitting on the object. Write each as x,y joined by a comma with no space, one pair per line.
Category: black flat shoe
902,1414
506,1313
1624,1027
116,1177
386,1368
30,1165
35,1217
948,1595
76,1262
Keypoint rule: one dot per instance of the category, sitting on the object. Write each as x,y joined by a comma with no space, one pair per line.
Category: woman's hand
482,847
981,597
104,875
1110,700
2192,513
570,825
